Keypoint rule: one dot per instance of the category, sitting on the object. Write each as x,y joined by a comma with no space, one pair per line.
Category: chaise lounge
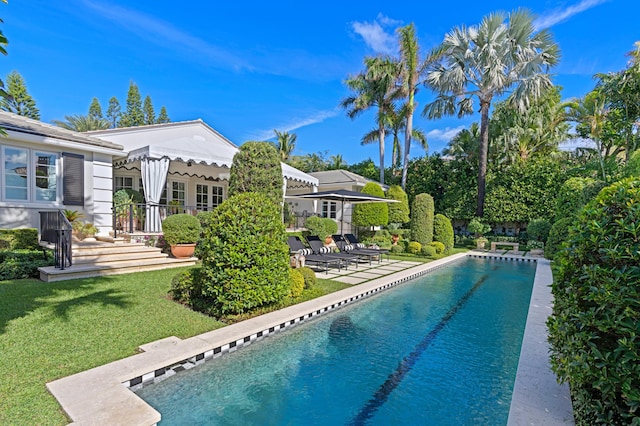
296,246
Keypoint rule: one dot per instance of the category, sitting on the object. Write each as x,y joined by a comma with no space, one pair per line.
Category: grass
52,330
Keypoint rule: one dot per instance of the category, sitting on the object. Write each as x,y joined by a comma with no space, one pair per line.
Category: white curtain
154,175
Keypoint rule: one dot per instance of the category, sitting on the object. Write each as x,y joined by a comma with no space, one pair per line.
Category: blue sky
248,68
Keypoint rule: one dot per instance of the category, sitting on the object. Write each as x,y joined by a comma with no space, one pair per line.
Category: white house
44,168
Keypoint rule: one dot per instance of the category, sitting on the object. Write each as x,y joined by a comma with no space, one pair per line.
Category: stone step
51,274
103,258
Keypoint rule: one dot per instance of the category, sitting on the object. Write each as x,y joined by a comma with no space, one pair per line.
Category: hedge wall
422,219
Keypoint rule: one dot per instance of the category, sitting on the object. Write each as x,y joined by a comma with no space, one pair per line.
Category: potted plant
478,228
181,232
84,231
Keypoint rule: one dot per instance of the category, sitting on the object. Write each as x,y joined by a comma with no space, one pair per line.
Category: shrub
633,166
20,264
428,250
309,277
84,228
414,247
296,283
204,218
399,248
477,227
438,246
245,259
593,330
557,235
574,194
422,219
371,214
443,231
256,168
398,212
186,287
538,229
321,226
20,239
181,229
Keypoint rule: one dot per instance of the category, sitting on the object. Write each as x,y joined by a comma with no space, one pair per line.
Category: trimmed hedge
594,330
296,283
371,214
181,229
245,259
557,235
414,247
309,277
20,264
438,246
256,168
574,193
398,212
443,231
422,212
538,229
428,250
19,239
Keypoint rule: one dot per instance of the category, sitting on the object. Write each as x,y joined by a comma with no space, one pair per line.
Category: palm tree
375,86
83,123
286,144
336,162
464,145
485,61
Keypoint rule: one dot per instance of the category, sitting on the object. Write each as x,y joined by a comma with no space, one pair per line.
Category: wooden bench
515,246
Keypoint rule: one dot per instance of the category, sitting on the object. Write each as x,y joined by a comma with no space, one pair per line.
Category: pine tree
19,101
134,116
113,112
163,117
95,110
149,113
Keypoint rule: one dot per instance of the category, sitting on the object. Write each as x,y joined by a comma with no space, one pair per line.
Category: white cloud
375,36
313,118
166,35
445,134
557,16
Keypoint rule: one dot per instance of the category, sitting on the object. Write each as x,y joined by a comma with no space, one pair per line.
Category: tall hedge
256,168
371,214
574,193
422,219
443,231
594,330
558,234
245,259
398,212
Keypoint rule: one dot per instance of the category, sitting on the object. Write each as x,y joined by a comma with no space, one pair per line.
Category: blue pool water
440,350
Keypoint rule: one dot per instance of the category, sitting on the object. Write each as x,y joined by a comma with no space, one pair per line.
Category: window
329,209
202,197
123,182
216,196
208,196
178,192
29,175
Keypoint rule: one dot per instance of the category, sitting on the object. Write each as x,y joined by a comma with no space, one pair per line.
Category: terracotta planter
183,251
394,239
328,240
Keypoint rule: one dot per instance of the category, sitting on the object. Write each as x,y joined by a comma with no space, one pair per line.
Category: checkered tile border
156,376
514,258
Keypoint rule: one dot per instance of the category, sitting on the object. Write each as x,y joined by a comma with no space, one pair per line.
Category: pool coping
103,395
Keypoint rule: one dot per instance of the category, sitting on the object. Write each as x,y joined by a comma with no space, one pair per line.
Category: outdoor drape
154,175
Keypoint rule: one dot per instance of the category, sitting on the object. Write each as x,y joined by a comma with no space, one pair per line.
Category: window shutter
73,179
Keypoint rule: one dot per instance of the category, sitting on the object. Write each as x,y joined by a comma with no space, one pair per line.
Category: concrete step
51,274
103,258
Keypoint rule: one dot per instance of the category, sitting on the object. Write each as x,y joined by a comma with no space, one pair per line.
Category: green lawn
52,330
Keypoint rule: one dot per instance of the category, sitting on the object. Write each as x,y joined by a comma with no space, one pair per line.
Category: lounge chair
296,246
318,248
345,247
353,240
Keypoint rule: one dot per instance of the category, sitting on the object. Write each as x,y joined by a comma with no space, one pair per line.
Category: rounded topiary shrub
371,214
538,229
181,229
443,232
256,168
422,219
414,247
296,283
438,246
309,277
428,250
245,259
558,233
398,212
594,328
399,248
321,226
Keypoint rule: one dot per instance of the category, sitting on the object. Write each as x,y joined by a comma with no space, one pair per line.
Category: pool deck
100,396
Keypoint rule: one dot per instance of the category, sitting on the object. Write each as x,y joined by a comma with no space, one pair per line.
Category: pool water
440,350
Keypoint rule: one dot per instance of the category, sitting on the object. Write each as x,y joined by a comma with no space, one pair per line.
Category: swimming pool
442,349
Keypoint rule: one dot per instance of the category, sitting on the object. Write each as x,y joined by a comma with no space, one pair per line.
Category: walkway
365,272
